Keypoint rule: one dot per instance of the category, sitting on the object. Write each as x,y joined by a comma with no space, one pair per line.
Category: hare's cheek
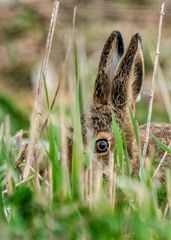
104,157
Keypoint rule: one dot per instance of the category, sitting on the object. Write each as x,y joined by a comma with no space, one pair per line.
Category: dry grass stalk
5,191
19,139
9,181
22,155
72,37
90,183
83,73
153,82
161,162
40,177
114,188
164,92
86,184
168,185
166,210
63,128
37,114
63,69
51,107
110,182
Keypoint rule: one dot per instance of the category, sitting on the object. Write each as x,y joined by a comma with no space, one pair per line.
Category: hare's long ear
128,79
111,54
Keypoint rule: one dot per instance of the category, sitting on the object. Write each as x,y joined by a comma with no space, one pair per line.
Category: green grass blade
55,163
135,128
77,149
161,144
126,154
46,92
118,143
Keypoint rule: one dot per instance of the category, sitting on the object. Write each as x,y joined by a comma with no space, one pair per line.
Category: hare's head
117,86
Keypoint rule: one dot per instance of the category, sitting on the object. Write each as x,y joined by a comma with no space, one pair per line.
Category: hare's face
118,83
97,124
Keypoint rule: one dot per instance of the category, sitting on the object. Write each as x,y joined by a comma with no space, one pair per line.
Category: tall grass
136,210
53,204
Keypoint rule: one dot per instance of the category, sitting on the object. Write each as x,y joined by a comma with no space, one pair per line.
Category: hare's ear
111,54
127,83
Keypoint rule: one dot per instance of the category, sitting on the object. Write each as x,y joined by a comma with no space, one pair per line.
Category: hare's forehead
101,122
97,120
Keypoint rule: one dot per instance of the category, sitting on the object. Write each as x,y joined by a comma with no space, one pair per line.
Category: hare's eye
102,145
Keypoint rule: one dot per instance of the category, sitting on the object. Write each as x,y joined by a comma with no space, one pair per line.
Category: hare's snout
103,164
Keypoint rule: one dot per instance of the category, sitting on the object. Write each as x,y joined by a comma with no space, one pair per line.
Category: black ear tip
120,42
117,33
138,37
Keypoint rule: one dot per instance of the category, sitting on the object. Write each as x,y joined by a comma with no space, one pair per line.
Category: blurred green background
24,25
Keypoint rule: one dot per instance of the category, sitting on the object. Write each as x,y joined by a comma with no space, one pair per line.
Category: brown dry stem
37,113
153,82
63,69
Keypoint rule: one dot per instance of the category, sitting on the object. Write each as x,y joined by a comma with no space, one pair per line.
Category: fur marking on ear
127,82
110,57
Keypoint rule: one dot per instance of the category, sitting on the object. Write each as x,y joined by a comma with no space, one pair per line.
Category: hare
117,86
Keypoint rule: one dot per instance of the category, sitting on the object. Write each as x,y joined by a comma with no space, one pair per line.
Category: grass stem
153,82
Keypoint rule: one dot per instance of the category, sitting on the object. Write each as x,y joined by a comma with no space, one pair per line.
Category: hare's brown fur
118,83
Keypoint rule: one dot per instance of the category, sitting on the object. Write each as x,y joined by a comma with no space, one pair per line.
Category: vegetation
41,207
50,203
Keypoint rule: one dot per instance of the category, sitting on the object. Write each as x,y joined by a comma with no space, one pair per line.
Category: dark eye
102,145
